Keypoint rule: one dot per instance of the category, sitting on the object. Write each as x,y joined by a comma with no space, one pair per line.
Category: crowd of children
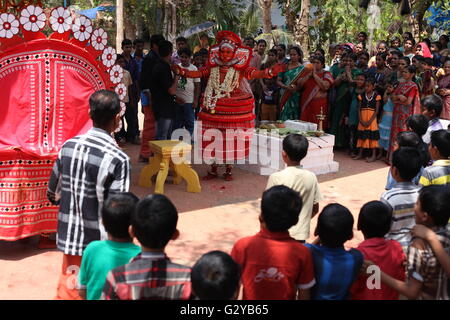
405,252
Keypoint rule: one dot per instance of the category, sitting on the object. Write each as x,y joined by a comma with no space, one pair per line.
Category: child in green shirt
100,257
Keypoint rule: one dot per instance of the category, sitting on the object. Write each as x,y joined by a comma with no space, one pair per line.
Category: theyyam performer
226,105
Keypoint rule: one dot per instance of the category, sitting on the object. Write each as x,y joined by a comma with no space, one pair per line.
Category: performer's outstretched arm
200,73
253,73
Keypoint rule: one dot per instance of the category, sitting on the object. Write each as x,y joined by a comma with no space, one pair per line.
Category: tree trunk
173,21
129,20
139,26
301,29
290,16
119,23
266,6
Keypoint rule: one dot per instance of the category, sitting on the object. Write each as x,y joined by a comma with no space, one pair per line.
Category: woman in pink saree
406,103
315,86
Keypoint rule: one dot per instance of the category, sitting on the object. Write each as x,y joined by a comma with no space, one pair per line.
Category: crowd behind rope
406,232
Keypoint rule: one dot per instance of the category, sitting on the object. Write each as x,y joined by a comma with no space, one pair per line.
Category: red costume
46,84
226,104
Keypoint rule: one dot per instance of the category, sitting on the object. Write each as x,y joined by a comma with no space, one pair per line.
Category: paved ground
213,219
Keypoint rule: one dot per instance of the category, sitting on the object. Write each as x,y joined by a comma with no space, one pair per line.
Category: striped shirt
89,167
437,174
401,198
423,265
149,276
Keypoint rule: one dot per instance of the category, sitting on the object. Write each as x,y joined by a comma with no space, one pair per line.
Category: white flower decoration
33,18
123,108
121,91
119,126
99,39
82,28
109,57
60,20
116,74
9,25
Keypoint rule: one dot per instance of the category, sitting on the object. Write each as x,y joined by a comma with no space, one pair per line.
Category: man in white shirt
188,92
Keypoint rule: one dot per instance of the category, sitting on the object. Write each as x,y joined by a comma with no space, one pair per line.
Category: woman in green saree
344,76
287,81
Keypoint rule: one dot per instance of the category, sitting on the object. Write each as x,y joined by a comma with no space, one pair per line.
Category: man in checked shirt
89,168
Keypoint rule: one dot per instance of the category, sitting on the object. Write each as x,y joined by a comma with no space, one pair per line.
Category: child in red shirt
375,221
274,265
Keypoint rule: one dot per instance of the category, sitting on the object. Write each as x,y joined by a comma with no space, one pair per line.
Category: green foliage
341,20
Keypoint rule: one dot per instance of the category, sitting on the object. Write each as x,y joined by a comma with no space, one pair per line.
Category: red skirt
227,133
313,109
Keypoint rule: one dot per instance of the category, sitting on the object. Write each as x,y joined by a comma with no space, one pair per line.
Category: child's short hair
418,123
138,41
418,58
273,51
215,276
126,42
352,56
296,146
432,103
375,219
371,80
407,161
185,51
362,74
203,52
434,200
411,69
408,139
280,208
181,39
363,54
407,60
116,214
428,61
154,221
335,225
441,140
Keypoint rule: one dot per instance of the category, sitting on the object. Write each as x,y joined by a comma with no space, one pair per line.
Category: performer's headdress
228,39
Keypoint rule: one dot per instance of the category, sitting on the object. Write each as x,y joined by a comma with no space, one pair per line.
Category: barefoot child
353,119
386,119
368,134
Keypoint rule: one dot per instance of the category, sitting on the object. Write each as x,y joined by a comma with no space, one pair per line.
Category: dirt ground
211,220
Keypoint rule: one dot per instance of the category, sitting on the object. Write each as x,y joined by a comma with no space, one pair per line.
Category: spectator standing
149,130
163,89
89,168
131,113
188,93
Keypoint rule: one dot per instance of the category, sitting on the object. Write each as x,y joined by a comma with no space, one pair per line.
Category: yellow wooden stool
169,153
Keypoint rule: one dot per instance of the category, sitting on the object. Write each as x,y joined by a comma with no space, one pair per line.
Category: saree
401,112
289,101
444,83
311,105
340,108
